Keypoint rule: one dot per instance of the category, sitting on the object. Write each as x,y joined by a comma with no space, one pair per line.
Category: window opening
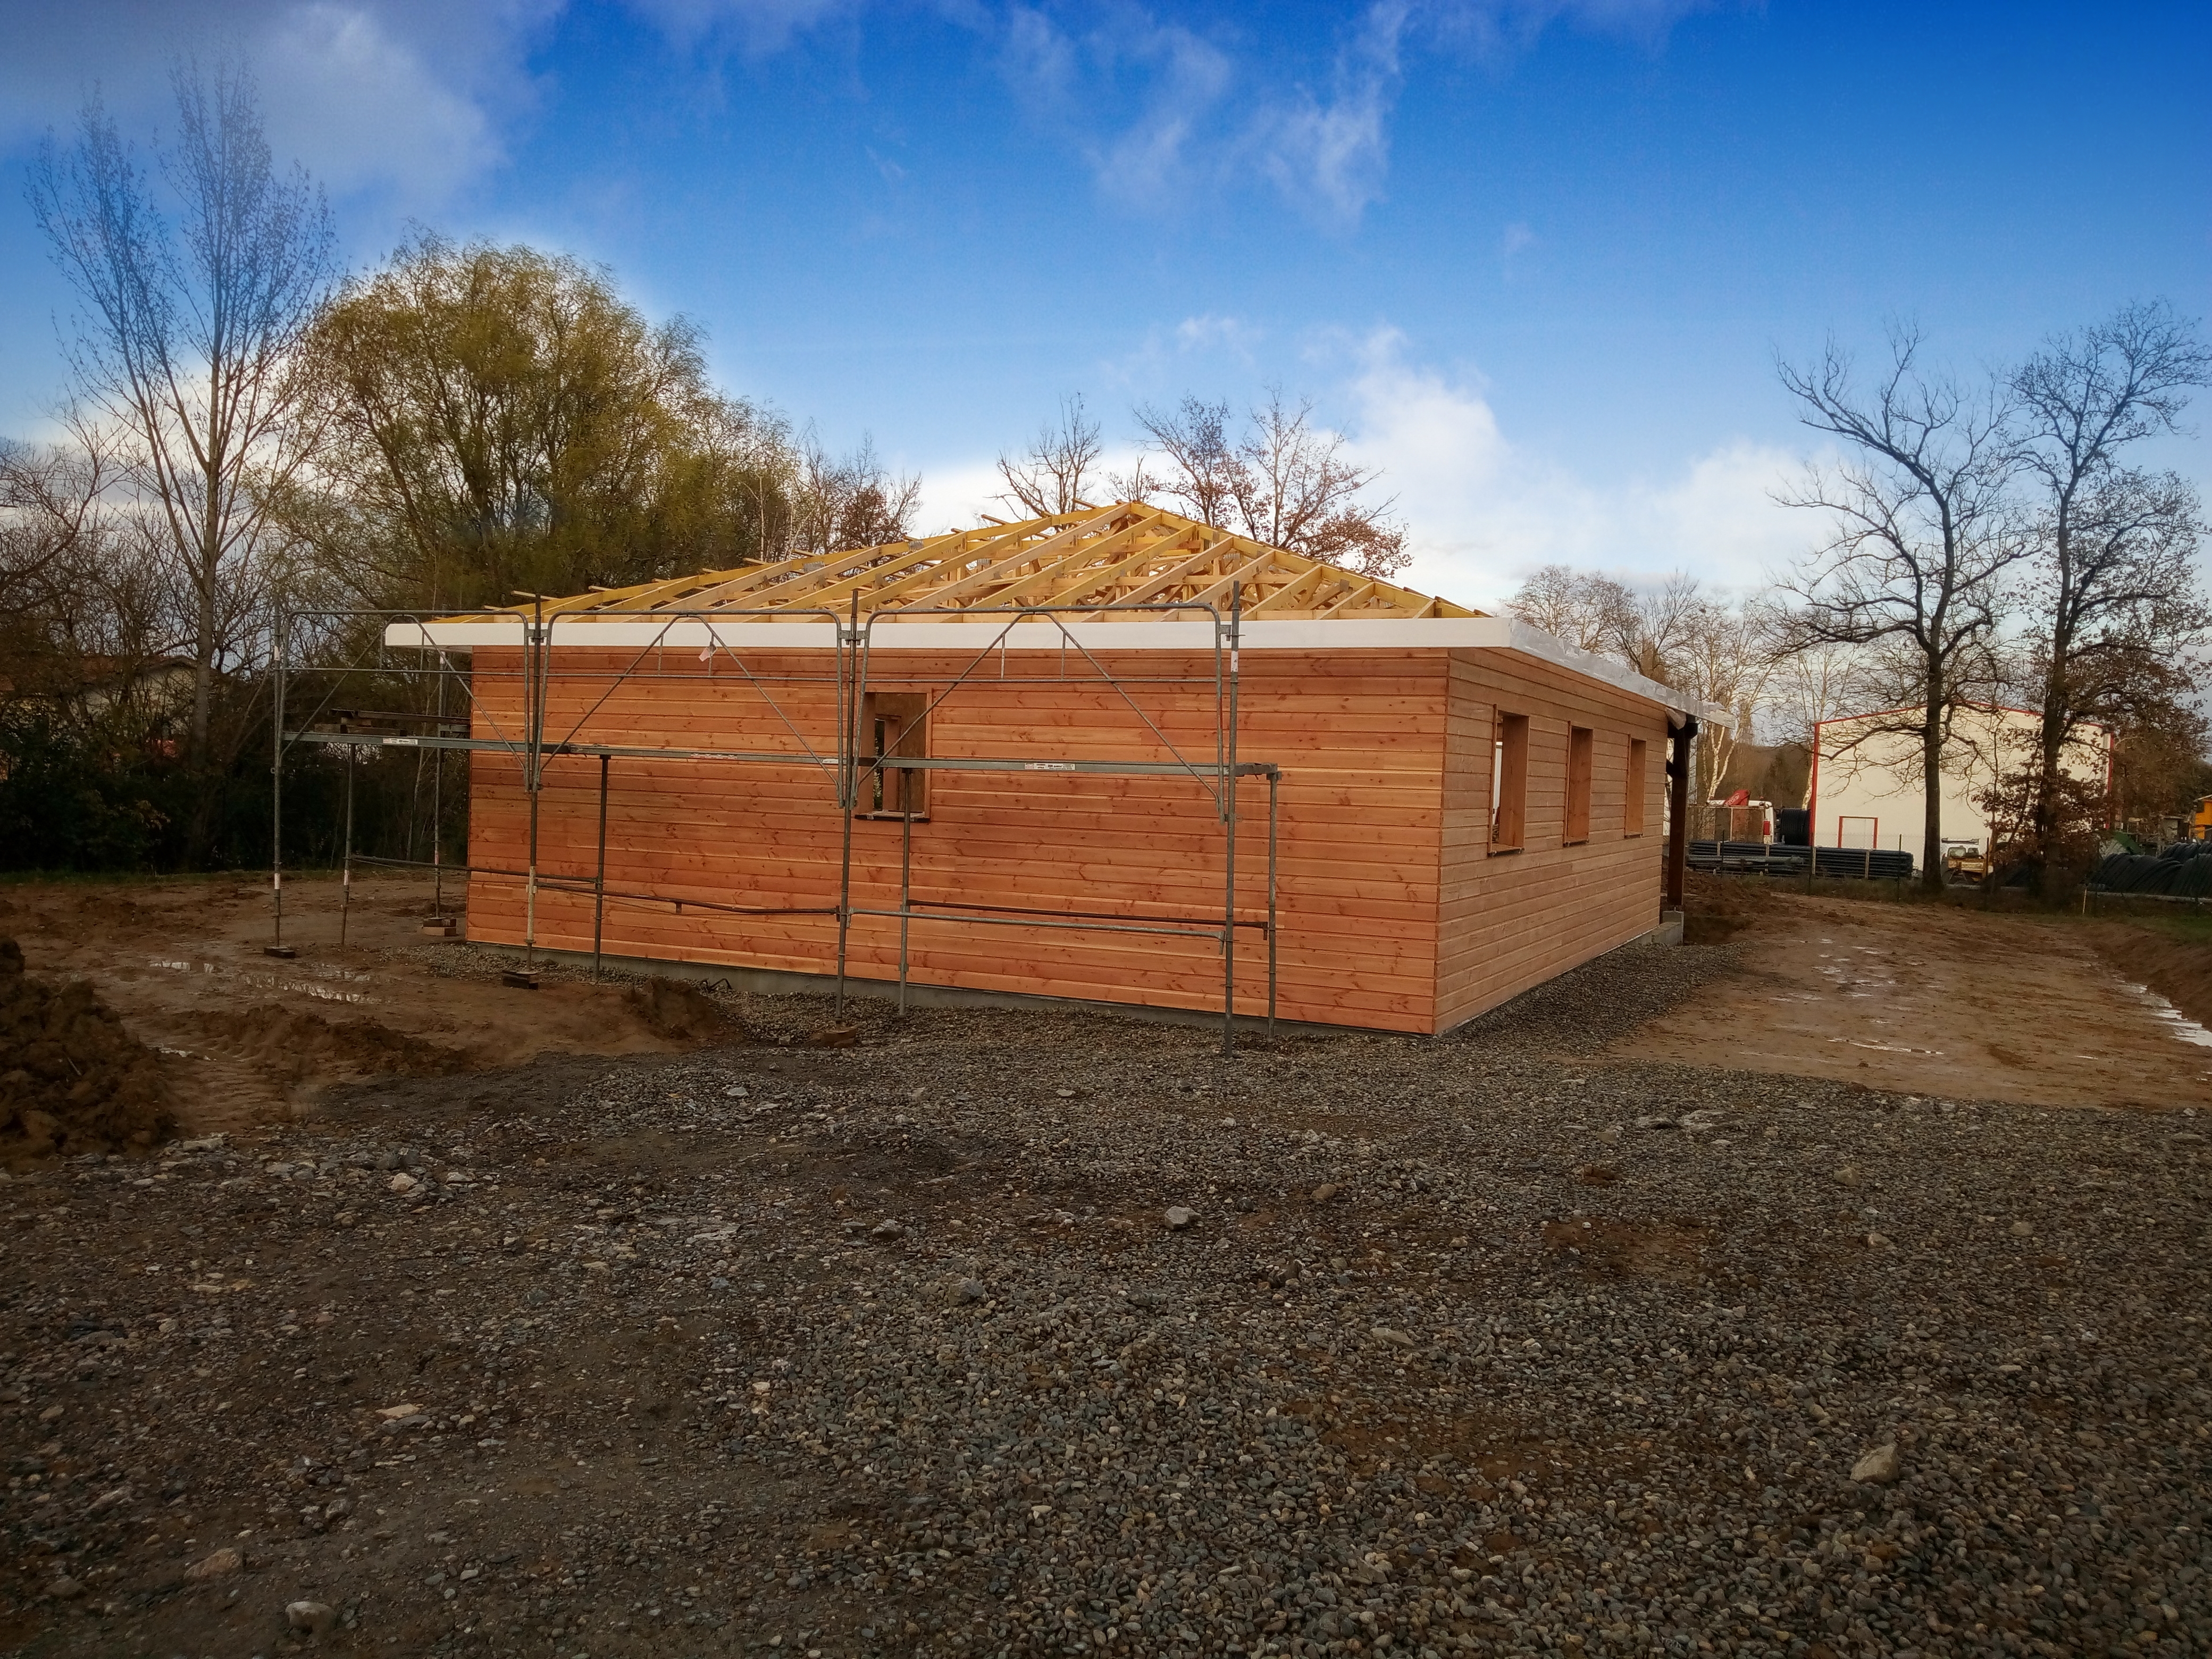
1509,784
896,723
1582,752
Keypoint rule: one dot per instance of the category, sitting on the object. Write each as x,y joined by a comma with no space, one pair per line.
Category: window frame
1509,784
1639,782
1581,767
890,791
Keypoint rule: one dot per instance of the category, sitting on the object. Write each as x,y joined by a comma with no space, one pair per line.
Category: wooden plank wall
1513,920
1360,737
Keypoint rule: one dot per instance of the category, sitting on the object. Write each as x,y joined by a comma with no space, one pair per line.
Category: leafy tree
500,421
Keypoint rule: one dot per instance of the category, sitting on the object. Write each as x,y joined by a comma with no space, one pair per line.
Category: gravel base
1601,1002
897,1349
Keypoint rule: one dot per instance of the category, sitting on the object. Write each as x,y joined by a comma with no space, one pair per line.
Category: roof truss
1127,560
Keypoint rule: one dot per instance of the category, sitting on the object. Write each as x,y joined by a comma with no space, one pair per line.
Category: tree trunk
1931,762
2044,817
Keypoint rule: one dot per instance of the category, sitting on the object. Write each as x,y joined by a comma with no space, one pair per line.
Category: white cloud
403,97
955,497
1137,97
1163,111
1330,156
411,97
1210,332
1497,29
1485,511
1164,364
756,26
333,77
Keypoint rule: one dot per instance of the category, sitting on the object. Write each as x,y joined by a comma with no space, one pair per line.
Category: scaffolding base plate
284,951
519,980
441,927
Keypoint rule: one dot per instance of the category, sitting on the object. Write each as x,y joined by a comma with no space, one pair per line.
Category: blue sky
1533,258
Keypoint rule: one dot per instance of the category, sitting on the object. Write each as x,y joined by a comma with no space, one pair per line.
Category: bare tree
187,339
1725,657
56,501
2115,579
1285,482
1048,478
1580,608
1922,534
1643,627
1193,440
1675,633
82,601
838,504
1812,684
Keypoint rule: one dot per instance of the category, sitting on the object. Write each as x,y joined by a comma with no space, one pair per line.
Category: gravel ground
1026,1334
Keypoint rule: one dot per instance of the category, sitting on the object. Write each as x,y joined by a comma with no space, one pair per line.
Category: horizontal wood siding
1513,920
1359,735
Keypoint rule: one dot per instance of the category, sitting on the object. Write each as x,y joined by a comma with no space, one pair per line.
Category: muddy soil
1928,999
2174,961
73,1079
250,1040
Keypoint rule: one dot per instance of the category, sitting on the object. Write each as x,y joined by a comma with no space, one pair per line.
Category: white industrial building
1866,789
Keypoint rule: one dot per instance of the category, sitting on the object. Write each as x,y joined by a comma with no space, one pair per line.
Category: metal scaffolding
855,773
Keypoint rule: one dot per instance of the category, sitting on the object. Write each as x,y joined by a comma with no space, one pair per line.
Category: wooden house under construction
1066,758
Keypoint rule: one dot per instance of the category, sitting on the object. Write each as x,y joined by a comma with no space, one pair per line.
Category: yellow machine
2200,827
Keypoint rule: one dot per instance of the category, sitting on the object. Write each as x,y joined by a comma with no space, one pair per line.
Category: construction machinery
2200,827
1965,861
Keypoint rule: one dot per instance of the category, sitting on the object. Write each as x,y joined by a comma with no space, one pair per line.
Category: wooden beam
1025,558
1093,581
1003,569
742,580
829,592
1175,573
1083,556
1360,592
1214,594
1281,598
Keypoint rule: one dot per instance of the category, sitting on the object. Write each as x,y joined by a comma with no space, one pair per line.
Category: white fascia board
979,631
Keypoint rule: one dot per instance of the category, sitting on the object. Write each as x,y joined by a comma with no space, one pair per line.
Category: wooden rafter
1105,560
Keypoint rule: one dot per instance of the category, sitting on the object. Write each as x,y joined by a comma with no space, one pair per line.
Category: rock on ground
624,1371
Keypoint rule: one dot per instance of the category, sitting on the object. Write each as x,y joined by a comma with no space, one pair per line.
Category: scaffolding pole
277,946
852,769
599,881
1227,799
345,880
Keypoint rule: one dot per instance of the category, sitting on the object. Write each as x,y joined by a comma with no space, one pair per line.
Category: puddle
2183,1027
271,982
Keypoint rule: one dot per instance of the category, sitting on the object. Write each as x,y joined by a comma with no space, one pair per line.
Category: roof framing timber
1128,560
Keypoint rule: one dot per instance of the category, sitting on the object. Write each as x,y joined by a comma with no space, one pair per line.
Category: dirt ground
463,1319
253,1039
1935,1000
